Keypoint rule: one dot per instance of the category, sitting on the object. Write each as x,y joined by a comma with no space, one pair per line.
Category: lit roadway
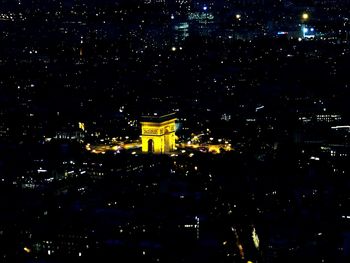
211,148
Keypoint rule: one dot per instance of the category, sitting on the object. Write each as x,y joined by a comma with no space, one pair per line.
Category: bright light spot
79,254
341,127
312,29
255,239
259,108
172,17
173,49
305,30
238,16
49,252
241,252
81,126
28,250
300,39
205,8
305,16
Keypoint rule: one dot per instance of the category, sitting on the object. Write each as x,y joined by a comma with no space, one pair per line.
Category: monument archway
158,133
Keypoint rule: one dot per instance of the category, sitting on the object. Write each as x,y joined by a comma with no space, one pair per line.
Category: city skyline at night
174,131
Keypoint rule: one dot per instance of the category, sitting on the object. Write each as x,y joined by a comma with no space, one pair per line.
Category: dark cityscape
175,131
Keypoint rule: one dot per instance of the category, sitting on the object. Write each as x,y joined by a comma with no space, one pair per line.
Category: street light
305,16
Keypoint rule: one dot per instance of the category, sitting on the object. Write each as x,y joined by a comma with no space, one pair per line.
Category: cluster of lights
175,48
306,30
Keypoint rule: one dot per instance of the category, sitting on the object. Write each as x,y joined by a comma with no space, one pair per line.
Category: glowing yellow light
238,16
241,252
87,147
305,16
173,49
28,250
255,239
249,261
82,126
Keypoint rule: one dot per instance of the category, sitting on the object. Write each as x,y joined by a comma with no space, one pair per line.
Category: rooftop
158,118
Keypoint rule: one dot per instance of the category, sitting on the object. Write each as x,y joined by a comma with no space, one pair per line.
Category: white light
205,8
259,108
312,29
341,127
305,30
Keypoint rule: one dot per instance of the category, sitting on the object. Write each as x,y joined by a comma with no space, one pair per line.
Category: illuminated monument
158,133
